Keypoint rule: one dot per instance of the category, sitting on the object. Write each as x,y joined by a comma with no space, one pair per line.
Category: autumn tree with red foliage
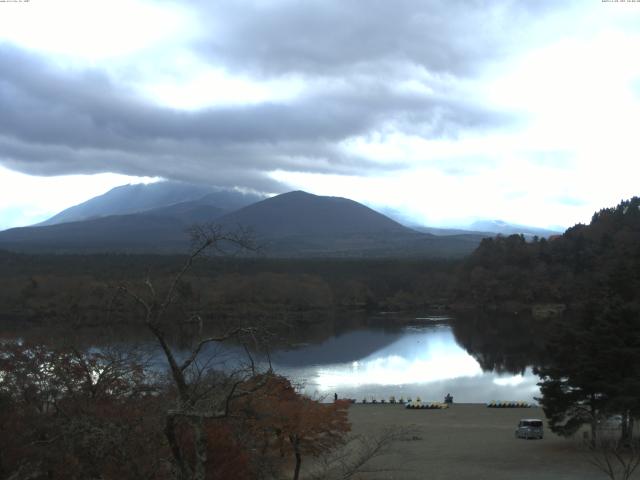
285,422
67,414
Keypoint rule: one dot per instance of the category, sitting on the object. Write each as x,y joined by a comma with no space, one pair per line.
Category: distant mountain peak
293,194
506,228
303,213
137,198
297,192
301,195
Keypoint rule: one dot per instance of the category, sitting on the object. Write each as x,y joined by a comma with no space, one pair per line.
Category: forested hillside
601,259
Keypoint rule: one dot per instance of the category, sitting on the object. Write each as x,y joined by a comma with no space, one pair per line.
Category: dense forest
80,288
601,259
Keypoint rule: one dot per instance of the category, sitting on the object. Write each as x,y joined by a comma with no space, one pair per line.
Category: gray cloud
56,121
325,37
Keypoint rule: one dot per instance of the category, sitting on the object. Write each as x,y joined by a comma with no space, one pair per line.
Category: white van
530,428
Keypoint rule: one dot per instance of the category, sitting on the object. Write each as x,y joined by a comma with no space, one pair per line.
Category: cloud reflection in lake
424,361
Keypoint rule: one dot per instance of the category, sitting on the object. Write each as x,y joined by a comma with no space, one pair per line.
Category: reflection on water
414,361
364,359
502,343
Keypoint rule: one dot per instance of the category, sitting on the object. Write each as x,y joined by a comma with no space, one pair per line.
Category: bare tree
201,394
616,458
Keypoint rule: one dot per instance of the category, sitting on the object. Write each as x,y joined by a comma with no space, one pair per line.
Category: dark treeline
64,288
601,259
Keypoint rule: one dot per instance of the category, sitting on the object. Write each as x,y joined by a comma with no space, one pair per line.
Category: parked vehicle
613,422
530,428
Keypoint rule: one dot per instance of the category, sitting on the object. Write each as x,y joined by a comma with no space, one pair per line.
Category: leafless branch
614,458
200,394
196,351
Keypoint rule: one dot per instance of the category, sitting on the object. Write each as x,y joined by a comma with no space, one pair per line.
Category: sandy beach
470,441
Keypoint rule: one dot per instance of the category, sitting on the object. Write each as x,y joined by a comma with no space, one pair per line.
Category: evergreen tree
593,369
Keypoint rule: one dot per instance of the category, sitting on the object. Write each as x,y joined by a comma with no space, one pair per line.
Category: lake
376,363
372,359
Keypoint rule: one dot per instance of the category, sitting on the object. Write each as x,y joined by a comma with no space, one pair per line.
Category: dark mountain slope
189,213
129,233
301,213
159,230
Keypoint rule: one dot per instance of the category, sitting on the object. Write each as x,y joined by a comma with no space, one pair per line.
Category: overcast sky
445,110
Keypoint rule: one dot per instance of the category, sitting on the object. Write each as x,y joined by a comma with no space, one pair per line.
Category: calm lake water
424,361
371,359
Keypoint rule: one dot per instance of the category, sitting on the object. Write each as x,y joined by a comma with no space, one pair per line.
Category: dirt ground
470,442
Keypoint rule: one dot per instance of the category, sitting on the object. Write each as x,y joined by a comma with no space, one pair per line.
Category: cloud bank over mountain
372,102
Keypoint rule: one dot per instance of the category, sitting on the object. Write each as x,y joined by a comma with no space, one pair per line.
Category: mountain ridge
292,224
298,212
506,228
137,198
